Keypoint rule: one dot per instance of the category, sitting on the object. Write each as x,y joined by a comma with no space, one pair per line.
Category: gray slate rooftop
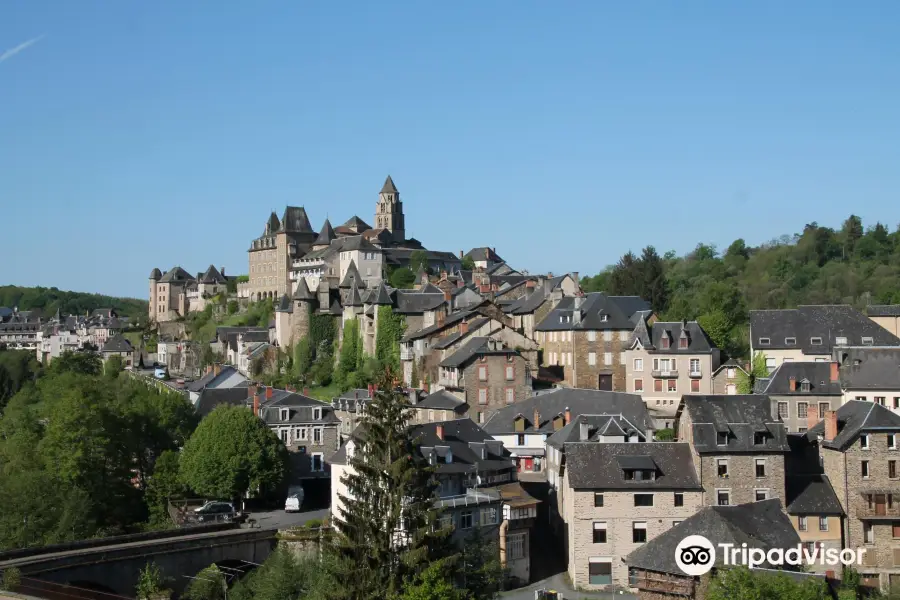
883,310
797,328
854,418
811,495
740,417
816,374
870,368
598,312
602,466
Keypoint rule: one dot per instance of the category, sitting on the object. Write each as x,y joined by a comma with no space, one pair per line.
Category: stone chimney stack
792,382
583,430
537,418
464,327
256,404
835,372
439,431
268,392
812,418
831,425
568,416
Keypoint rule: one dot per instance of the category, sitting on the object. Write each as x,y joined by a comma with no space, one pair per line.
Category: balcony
665,374
695,374
406,353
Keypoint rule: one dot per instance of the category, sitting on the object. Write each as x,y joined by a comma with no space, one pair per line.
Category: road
278,519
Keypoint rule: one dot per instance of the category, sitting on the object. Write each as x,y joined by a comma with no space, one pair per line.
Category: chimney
217,369
413,396
222,271
251,391
583,430
448,296
831,425
440,320
494,250
443,275
371,389
464,327
529,285
575,276
549,275
462,255
439,431
568,416
792,382
537,418
268,392
812,418
835,372
256,404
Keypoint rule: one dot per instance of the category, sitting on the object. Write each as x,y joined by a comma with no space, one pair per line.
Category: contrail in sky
23,46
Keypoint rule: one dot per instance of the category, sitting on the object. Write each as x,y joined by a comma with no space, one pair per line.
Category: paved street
558,583
282,520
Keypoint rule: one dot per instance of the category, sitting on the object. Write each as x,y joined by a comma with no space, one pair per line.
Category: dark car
215,511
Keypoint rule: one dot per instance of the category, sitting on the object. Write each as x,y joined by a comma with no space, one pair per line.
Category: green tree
467,263
151,583
17,368
350,361
482,572
391,491
163,486
741,582
231,453
403,278
418,259
653,284
665,435
208,584
758,370
435,582
303,359
718,327
114,365
85,363
283,576
391,327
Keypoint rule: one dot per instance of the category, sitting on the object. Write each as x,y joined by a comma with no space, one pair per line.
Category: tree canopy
49,300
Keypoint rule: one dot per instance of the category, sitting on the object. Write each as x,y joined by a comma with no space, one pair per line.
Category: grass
325,393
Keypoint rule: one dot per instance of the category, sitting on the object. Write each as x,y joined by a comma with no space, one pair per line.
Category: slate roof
224,372
352,275
477,346
442,400
739,416
210,398
579,402
284,304
302,291
854,418
597,426
379,296
353,298
212,275
176,275
865,368
358,242
601,466
651,337
883,310
326,235
531,302
811,495
484,254
807,322
295,220
154,274
389,187
816,374
620,312
758,524
357,223
117,343
449,320
449,340
300,409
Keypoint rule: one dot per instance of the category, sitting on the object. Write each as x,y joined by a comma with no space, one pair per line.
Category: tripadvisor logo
695,555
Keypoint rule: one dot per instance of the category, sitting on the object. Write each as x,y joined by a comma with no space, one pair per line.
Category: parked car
216,511
295,499
160,373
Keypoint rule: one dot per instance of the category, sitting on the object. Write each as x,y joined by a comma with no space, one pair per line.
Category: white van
294,500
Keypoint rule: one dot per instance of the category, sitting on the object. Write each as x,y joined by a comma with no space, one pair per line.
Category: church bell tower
389,211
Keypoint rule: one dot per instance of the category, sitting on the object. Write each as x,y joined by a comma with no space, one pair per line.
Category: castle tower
303,300
389,211
155,276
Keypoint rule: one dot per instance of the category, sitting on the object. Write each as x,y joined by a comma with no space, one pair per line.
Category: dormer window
764,341
664,342
790,341
868,341
683,342
804,386
840,341
285,414
317,414
759,439
815,341
722,438
449,458
604,318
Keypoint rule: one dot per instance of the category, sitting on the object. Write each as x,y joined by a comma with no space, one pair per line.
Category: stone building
800,389
667,360
737,445
533,306
176,292
620,496
271,254
726,378
587,336
870,374
815,513
886,315
859,445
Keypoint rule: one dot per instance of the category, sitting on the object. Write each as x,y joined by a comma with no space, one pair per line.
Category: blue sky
136,135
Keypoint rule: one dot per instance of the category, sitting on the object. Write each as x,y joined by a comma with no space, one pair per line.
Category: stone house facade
816,514
725,379
737,446
802,392
886,315
860,451
621,496
870,374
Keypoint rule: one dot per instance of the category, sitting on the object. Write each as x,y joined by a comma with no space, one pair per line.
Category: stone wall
496,385
742,480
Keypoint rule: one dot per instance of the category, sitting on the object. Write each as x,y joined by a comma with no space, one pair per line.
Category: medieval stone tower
389,211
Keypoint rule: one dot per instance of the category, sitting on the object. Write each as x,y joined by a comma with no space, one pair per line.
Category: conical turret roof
352,276
389,187
354,299
302,292
380,296
326,235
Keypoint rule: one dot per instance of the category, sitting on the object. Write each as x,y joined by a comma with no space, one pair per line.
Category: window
510,395
639,364
722,467
764,341
695,386
695,366
731,389
801,410
633,577
672,385
723,497
868,532
480,416
722,438
600,571
892,441
867,341
607,358
679,499
823,523
760,467
624,335
285,414
510,372
317,435
607,336
482,396
592,358
664,342
489,515
520,438
657,385
639,532
879,400
801,523
815,341
682,342
790,341
317,414
896,402
592,336
823,408
301,434
676,523
482,373
865,469
284,435
864,442
840,341
639,385
895,529
316,462
892,469
465,519
643,499
759,439
600,532
515,546
761,495
598,500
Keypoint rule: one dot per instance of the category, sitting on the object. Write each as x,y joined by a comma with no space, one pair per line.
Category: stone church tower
389,211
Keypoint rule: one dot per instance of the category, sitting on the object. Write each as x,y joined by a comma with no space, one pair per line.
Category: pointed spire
389,187
353,298
326,235
302,292
380,296
352,276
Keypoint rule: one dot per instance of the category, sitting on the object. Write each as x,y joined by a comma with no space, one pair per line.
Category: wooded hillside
851,265
50,299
